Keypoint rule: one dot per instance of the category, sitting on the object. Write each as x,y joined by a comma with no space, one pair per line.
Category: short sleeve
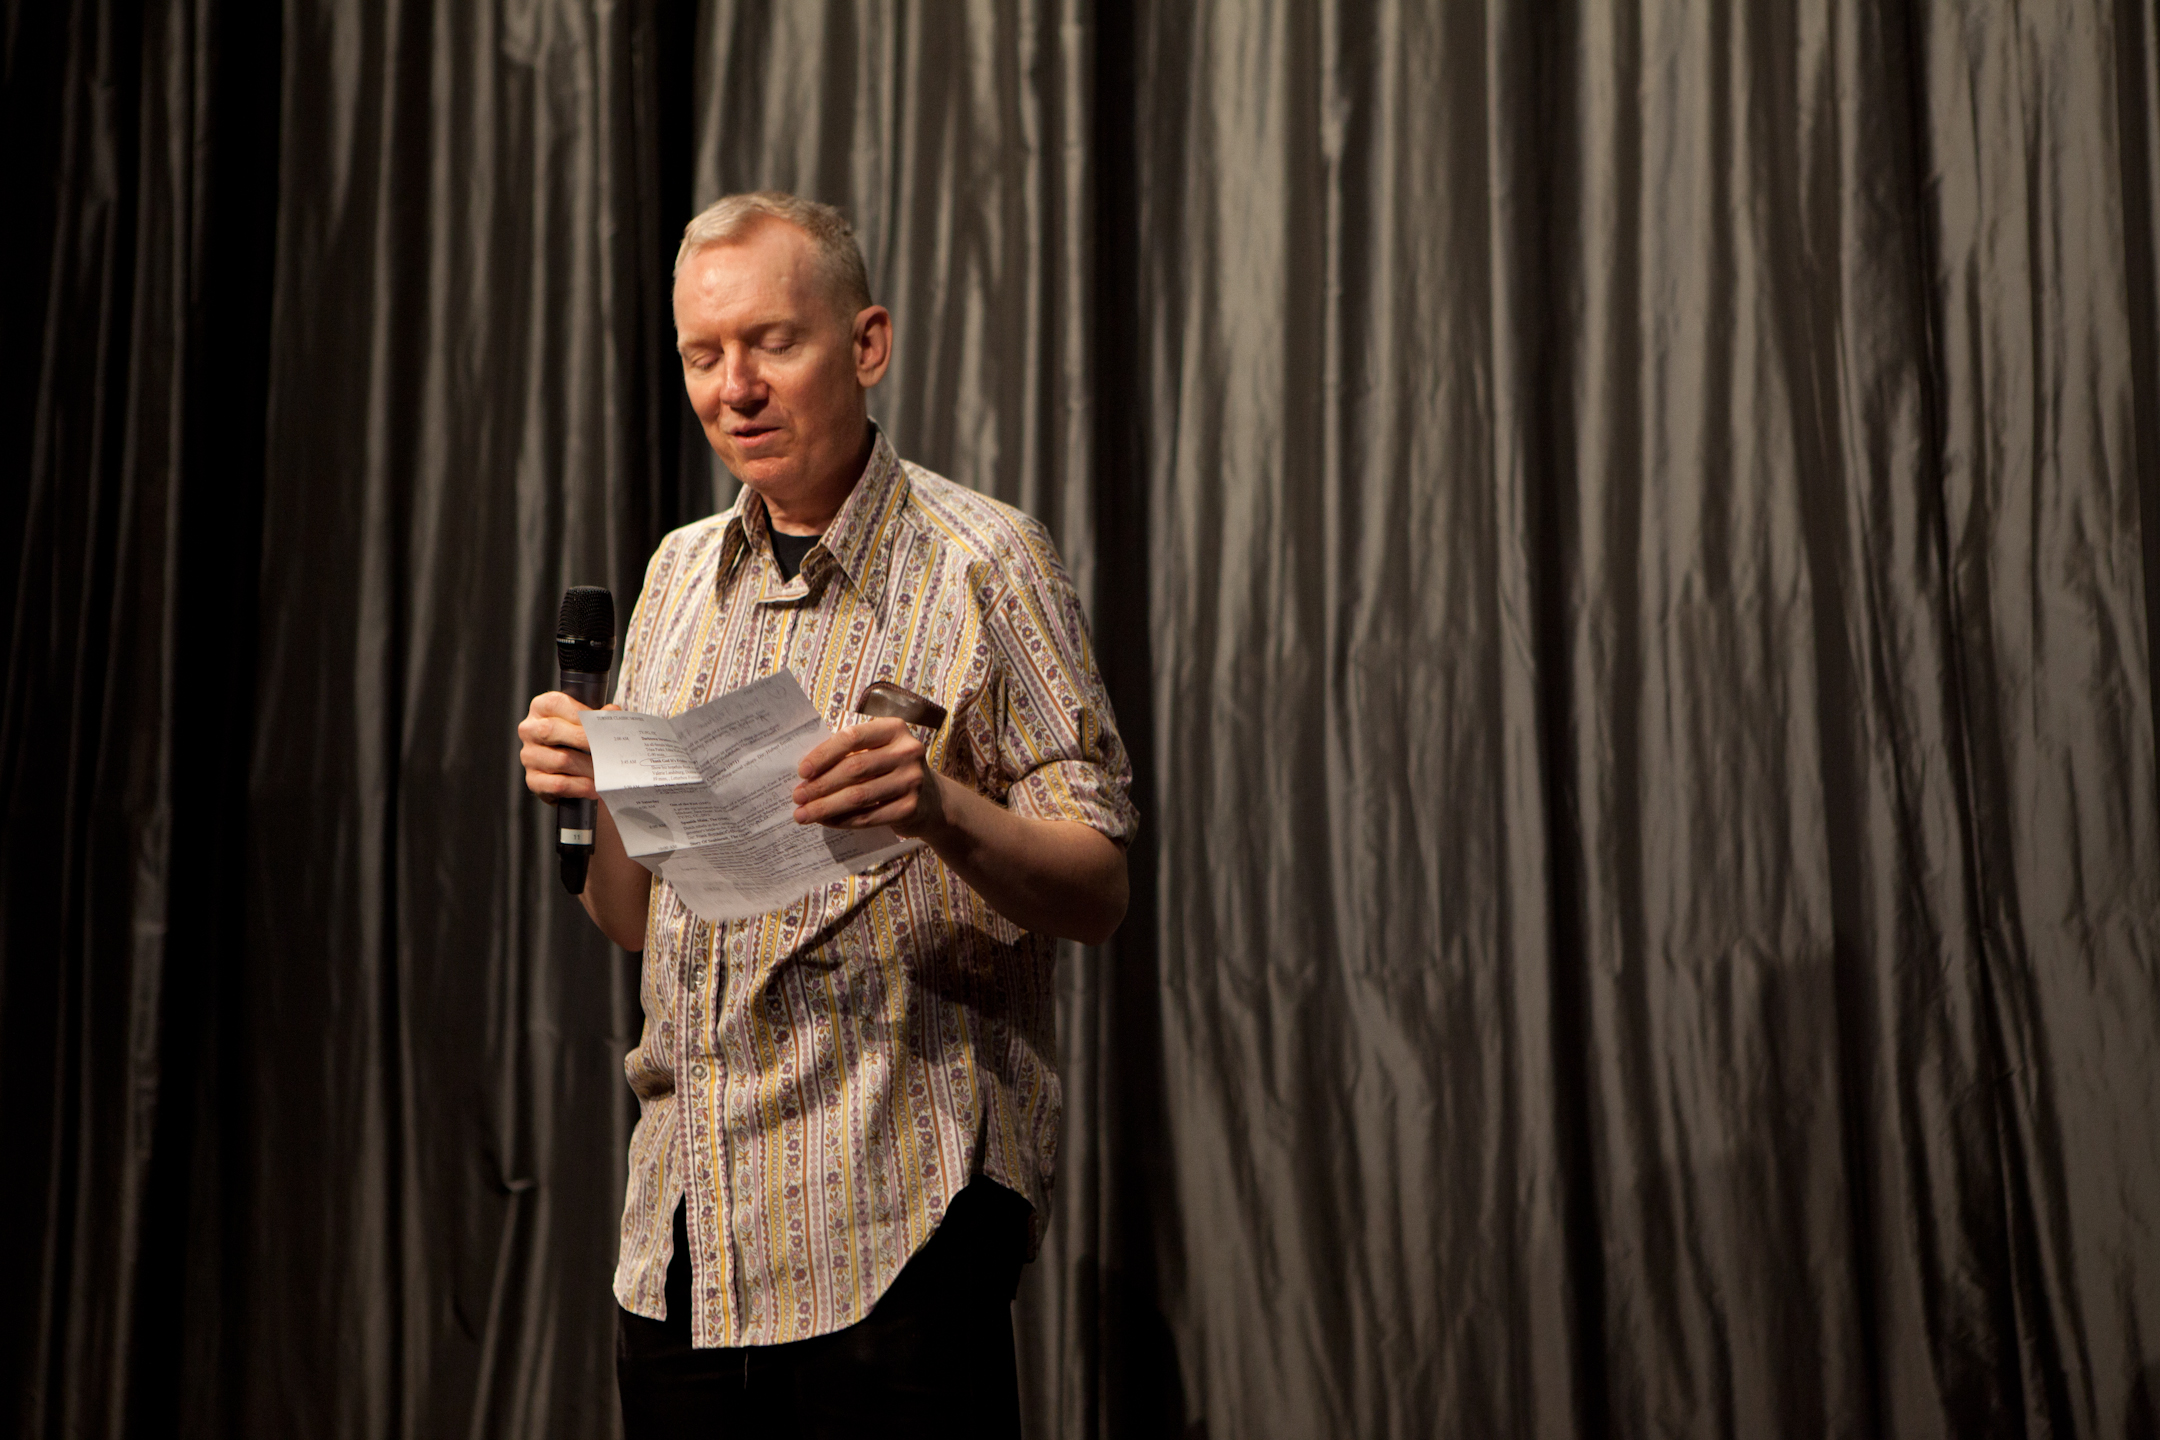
1057,743
666,602
635,634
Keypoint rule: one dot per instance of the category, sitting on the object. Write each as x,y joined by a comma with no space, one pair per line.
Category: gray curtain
1625,540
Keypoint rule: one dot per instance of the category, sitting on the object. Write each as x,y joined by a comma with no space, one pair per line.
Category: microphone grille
585,635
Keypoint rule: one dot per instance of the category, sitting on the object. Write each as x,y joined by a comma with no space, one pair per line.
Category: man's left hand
869,774
1059,877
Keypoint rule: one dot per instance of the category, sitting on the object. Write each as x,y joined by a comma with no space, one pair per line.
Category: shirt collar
853,547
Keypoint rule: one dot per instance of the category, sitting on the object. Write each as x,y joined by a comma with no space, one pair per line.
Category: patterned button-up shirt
817,1083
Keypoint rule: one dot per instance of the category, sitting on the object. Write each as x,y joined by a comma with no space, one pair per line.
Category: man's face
775,371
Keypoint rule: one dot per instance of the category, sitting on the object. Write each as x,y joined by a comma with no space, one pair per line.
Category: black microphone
584,648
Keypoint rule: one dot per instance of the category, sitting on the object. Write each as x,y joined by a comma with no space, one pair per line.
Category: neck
811,514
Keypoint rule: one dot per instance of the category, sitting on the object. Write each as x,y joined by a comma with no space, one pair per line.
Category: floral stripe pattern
817,1083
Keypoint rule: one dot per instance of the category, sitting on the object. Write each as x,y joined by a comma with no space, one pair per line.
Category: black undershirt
789,551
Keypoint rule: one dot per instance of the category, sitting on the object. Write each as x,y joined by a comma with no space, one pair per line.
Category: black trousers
935,1357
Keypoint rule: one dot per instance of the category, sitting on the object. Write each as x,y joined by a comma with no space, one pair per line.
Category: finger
899,812
546,775
557,759
570,735
898,750
556,708
826,753
554,702
877,793
869,735
560,787
557,786
561,734
855,768
552,735
551,760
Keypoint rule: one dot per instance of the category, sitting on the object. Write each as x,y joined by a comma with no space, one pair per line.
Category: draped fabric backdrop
1625,540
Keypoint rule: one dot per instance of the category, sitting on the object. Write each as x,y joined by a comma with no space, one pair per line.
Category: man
848,1106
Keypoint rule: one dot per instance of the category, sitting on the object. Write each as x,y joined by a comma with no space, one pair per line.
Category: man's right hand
555,753
558,766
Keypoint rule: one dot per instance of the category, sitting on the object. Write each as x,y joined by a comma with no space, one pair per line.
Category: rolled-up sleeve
1057,743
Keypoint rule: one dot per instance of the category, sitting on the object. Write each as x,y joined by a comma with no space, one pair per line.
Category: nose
739,384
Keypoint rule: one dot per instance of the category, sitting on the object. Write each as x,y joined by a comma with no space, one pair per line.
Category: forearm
1057,877
617,888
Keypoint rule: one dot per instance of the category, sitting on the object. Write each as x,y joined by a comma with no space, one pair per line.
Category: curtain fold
1622,540
467,343
133,481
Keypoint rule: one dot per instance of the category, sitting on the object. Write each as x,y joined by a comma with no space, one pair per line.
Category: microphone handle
575,819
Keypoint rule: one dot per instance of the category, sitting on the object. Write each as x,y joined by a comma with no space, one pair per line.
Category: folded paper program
703,800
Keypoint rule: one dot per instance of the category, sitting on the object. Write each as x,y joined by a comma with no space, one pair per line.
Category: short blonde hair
832,239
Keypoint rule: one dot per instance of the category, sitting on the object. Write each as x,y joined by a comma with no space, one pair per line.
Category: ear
873,344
